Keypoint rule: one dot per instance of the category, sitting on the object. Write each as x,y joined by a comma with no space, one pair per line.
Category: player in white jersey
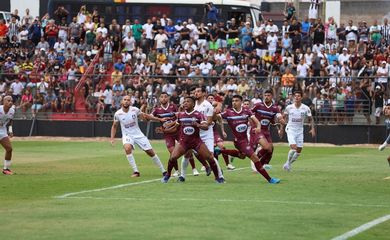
296,114
7,112
127,117
203,106
386,111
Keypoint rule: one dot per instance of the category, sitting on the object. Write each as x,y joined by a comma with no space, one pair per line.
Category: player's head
237,101
164,98
7,101
298,96
192,91
189,103
268,95
200,92
246,103
126,101
210,98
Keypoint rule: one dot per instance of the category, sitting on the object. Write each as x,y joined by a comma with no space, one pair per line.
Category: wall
357,134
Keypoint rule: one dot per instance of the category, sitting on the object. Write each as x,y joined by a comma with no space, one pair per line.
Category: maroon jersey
266,115
189,133
217,136
238,122
169,112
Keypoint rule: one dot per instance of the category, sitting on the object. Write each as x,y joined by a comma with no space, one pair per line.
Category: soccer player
7,112
190,122
386,111
267,113
127,117
168,110
238,120
218,141
296,114
207,135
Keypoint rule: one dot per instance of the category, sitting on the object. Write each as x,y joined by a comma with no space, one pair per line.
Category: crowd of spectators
341,68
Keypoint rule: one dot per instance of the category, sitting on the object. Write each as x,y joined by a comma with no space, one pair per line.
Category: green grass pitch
331,190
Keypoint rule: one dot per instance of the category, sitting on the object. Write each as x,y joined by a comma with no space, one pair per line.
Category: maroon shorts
255,137
244,147
194,144
217,138
170,140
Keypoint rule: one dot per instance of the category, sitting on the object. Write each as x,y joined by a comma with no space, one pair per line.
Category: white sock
290,155
184,165
131,160
7,164
295,156
158,163
253,167
220,174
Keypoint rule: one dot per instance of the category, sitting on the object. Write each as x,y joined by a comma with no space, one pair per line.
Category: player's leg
177,152
6,143
384,145
210,146
225,156
266,150
205,153
291,138
145,145
128,146
388,160
170,141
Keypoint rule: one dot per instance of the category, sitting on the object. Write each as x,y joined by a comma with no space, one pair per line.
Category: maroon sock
268,157
171,164
260,169
214,168
231,152
226,158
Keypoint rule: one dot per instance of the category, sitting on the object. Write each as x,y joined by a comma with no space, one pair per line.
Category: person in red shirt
3,29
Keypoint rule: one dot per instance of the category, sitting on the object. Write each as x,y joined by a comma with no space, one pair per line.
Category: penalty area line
362,228
387,178
67,195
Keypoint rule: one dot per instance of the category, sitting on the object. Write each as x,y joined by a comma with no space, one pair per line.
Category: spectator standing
212,12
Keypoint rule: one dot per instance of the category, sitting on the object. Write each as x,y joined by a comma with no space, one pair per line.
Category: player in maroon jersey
267,113
218,140
169,110
238,121
190,122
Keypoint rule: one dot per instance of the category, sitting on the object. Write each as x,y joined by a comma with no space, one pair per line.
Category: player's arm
9,128
203,125
149,117
113,131
312,130
221,125
257,122
170,127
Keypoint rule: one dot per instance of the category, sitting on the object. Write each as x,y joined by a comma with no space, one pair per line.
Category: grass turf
331,190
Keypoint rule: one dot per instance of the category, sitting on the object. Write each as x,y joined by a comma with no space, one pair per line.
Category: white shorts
209,142
313,13
3,135
142,142
295,137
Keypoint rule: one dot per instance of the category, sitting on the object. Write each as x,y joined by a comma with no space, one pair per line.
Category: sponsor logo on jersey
188,130
264,122
241,128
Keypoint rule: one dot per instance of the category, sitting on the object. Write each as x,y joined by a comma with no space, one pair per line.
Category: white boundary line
362,228
67,195
232,200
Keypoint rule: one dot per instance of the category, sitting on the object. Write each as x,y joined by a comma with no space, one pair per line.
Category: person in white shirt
272,41
344,57
148,29
296,114
126,28
7,112
59,46
302,69
166,67
271,27
351,32
129,42
205,67
127,118
382,74
102,29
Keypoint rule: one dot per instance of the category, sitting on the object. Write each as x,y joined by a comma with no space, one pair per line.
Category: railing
88,72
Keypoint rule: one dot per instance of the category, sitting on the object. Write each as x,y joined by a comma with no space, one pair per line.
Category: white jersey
296,116
129,122
207,110
5,118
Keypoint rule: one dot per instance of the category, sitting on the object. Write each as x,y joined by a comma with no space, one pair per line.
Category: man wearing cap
43,45
271,27
344,57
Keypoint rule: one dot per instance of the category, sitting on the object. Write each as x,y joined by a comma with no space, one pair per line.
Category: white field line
362,228
67,195
234,200
387,178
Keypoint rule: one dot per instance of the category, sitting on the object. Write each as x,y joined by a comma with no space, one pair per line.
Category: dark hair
192,99
202,88
237,96
210,95
268,91
193,88
298,91
164,93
